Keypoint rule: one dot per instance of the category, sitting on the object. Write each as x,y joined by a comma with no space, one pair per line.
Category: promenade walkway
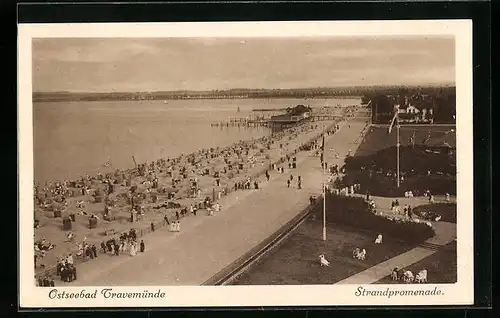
445,233
206,244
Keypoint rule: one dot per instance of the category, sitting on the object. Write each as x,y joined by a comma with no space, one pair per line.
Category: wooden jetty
243,122
270,122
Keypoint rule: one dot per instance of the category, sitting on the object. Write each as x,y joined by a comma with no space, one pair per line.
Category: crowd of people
186,180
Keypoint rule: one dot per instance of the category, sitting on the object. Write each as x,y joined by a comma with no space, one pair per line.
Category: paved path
206,244
381,270
445,234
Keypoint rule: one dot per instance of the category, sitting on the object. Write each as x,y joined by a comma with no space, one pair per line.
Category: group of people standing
66,269
407,209
290,180
127,243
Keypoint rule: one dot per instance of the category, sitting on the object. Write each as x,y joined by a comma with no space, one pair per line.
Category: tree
298,110
382,108
365,100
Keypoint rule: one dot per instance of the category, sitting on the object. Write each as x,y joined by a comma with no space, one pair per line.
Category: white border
207,296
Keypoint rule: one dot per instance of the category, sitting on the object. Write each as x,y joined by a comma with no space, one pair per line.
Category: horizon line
448,84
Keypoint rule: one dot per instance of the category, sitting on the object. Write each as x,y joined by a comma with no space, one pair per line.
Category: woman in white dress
133,249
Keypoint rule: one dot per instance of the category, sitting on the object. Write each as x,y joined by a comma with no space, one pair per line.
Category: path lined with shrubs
445,233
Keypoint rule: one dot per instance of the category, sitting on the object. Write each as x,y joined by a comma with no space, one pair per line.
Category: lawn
441,267
296,261
429,164
422,168
378,138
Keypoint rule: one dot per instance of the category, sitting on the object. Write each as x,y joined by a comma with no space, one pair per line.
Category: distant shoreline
40,99
298,93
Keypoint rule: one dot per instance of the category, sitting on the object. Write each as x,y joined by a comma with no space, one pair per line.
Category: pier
243,122
270,123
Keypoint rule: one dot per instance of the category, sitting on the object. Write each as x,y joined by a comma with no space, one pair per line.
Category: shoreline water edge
140,199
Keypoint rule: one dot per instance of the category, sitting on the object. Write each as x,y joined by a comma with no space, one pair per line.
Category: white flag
394,119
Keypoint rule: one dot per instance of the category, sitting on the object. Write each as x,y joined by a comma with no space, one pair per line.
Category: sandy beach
153,191
206,245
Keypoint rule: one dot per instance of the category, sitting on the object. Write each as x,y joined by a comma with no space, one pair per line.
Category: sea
72,139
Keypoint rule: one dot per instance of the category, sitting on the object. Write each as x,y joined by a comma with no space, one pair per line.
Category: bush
381,185
355,212
376,172
447,211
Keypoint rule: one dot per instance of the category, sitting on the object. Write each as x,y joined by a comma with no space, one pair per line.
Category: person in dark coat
103,247
288,183
94,250
142,246
109,246
68,274
88,252
72,272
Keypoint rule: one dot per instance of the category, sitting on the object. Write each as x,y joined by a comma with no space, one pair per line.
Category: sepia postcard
245,164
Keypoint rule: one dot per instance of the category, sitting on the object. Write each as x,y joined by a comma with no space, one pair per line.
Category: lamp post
324,185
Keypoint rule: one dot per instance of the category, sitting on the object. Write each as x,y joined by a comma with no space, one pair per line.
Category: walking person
133,249
143,246
288,183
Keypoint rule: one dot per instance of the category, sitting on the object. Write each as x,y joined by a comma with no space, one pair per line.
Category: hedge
381,185
355,212
447,211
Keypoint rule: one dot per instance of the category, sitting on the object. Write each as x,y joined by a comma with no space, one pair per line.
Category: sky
165,64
